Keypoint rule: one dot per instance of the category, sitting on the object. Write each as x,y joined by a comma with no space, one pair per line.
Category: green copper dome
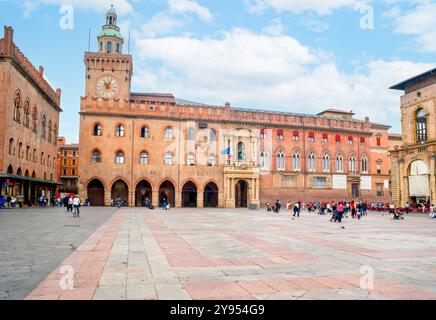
110,32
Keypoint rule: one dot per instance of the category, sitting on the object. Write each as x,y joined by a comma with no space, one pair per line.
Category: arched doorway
167,192
120,190
210,196
189,195
143,191
241,194
96,193
419,186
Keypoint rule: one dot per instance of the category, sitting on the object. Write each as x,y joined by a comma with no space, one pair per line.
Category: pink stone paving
87,263
205,257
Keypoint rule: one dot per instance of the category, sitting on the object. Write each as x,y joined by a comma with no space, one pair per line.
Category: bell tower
110,39
108,71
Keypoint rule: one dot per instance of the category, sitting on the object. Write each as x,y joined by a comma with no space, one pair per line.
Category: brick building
68,166
138,145
413,160
29,109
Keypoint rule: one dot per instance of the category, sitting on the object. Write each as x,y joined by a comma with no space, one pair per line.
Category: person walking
277,206
297,209
76,206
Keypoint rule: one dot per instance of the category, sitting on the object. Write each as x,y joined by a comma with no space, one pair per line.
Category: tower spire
110,39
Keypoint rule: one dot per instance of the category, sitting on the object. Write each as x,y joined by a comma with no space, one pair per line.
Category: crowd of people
340,209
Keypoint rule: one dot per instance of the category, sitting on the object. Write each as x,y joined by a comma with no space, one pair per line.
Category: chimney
9,38
59,92
41,71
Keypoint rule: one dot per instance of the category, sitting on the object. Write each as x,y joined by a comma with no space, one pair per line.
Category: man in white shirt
76,205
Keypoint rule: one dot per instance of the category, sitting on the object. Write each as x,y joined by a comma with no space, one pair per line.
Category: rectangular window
379,189
319,182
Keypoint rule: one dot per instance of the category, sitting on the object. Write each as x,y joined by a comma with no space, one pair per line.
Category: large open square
134,253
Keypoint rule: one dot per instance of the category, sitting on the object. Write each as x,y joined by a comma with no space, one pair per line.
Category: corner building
138,145
414,160
29,113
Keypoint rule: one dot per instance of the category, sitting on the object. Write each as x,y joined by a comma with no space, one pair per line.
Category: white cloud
160,24
276,28
190,6
122,6
269,72
298,6
421,23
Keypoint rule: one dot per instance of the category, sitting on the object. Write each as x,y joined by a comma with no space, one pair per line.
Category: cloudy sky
286,55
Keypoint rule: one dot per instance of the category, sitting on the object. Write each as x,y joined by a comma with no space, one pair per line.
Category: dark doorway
241,194
210,198
167,192
189,195
143,191
120,191
96,193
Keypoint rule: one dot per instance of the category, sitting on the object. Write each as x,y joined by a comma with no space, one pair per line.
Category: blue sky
286,55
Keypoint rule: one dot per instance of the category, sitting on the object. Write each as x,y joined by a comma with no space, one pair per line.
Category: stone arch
189,194
95,188
143,190
210,194
120,191
167,192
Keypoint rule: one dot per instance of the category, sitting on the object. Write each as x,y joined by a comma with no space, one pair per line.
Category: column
178,199
200,198
107,197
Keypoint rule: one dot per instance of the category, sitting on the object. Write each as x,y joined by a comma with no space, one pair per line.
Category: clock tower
108,71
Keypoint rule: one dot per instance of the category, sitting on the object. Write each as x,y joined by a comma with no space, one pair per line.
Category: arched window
339,163
143,158
145,132
212,135
264,160
119,157
190,135
34,119
43,127
190,159
168,133
109,46
96,156
326,163
168,158
17,106
352,162
97,130
20,150
421,125
26,120
364,165
311,162
55,134
11,146
211,160
119,131
49,131
280,161
296,161
241,151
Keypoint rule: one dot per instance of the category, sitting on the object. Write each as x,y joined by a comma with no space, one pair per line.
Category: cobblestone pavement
34,241
237,254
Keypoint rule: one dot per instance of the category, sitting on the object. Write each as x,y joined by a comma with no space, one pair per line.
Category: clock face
107,87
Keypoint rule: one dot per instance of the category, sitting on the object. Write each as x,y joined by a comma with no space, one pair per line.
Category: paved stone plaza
133,253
